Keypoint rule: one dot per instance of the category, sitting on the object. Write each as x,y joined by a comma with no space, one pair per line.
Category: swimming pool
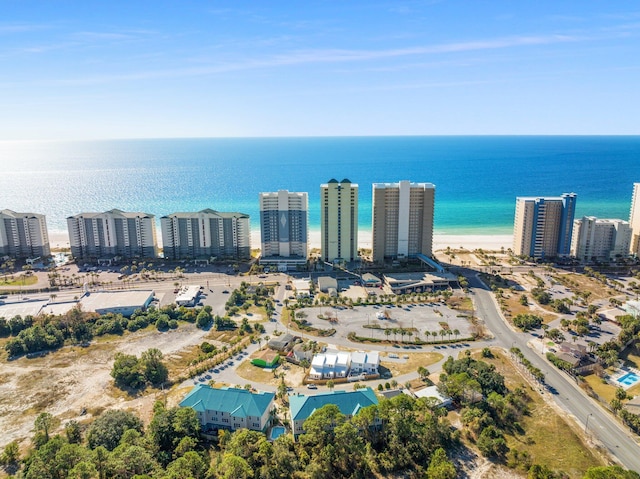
628,379
276,432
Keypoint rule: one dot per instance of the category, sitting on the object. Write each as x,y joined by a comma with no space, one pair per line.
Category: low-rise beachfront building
230,408
114,233
23,235
404,283
206,234
349,403
596,239
284,231
117,302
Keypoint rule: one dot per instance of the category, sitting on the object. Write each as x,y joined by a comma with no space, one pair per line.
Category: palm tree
456,332
434,334
387,332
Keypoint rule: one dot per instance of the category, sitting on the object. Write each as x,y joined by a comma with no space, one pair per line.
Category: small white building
433,393
325,283
365,363
188,296
302,287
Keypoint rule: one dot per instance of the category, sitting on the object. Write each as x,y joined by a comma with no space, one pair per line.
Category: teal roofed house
230,408
349,402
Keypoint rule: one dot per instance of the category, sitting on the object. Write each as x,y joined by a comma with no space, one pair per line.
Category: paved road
566,394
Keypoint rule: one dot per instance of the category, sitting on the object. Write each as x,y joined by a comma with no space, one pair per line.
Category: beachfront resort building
595,239
111,234
402,220
634,221
349,403
206,234
339,221
23,235
230,408
543,226
284,230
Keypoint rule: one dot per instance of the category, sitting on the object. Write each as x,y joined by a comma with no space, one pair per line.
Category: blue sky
85,70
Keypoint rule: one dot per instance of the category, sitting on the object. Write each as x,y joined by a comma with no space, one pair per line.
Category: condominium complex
543,226
111,234
339,221
23,235
634,220
600,239
206,234
402,220
284,228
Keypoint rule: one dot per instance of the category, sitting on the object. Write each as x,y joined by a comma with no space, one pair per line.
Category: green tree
154,369
73,432
43,424
610,472
11,455
232,467
127,371
107,430
440,467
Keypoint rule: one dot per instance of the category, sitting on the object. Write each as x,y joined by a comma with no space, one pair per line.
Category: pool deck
623,372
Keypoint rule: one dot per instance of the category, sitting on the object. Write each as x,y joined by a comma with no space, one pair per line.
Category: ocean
477,178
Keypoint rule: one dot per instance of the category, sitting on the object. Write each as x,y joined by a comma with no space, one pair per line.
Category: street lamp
586,424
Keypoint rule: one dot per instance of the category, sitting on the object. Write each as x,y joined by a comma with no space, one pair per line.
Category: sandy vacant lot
66,381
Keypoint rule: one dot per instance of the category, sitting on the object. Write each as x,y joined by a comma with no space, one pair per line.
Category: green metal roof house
349,403
230,408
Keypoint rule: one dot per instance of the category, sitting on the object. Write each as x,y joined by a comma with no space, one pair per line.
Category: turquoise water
276,432
628,379
476,178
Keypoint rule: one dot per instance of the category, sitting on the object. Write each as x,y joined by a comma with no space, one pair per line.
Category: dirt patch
65,382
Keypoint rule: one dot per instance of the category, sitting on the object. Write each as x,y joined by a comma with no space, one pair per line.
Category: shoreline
491,242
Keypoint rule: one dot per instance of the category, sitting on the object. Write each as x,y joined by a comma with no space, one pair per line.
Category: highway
598,423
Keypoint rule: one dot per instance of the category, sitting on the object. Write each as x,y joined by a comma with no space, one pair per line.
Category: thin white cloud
317,56
6,28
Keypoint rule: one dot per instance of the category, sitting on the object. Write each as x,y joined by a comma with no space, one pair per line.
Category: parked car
312,386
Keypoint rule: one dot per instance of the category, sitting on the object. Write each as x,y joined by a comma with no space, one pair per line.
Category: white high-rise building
596,239
543,226
284,228
23,235
206,234
634,220
339,220
402,220
112,233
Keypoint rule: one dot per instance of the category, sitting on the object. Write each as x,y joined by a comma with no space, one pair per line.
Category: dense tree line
49,332
401,436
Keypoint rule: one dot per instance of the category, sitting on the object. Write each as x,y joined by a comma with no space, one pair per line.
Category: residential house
350,403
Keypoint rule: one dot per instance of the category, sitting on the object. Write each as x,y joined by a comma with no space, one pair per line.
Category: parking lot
417,318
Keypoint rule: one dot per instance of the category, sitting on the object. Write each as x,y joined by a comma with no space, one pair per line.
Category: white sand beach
60,239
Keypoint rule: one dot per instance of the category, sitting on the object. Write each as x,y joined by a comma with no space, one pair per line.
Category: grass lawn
255,374
515,308
21,280
549,439
579,282
605,390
